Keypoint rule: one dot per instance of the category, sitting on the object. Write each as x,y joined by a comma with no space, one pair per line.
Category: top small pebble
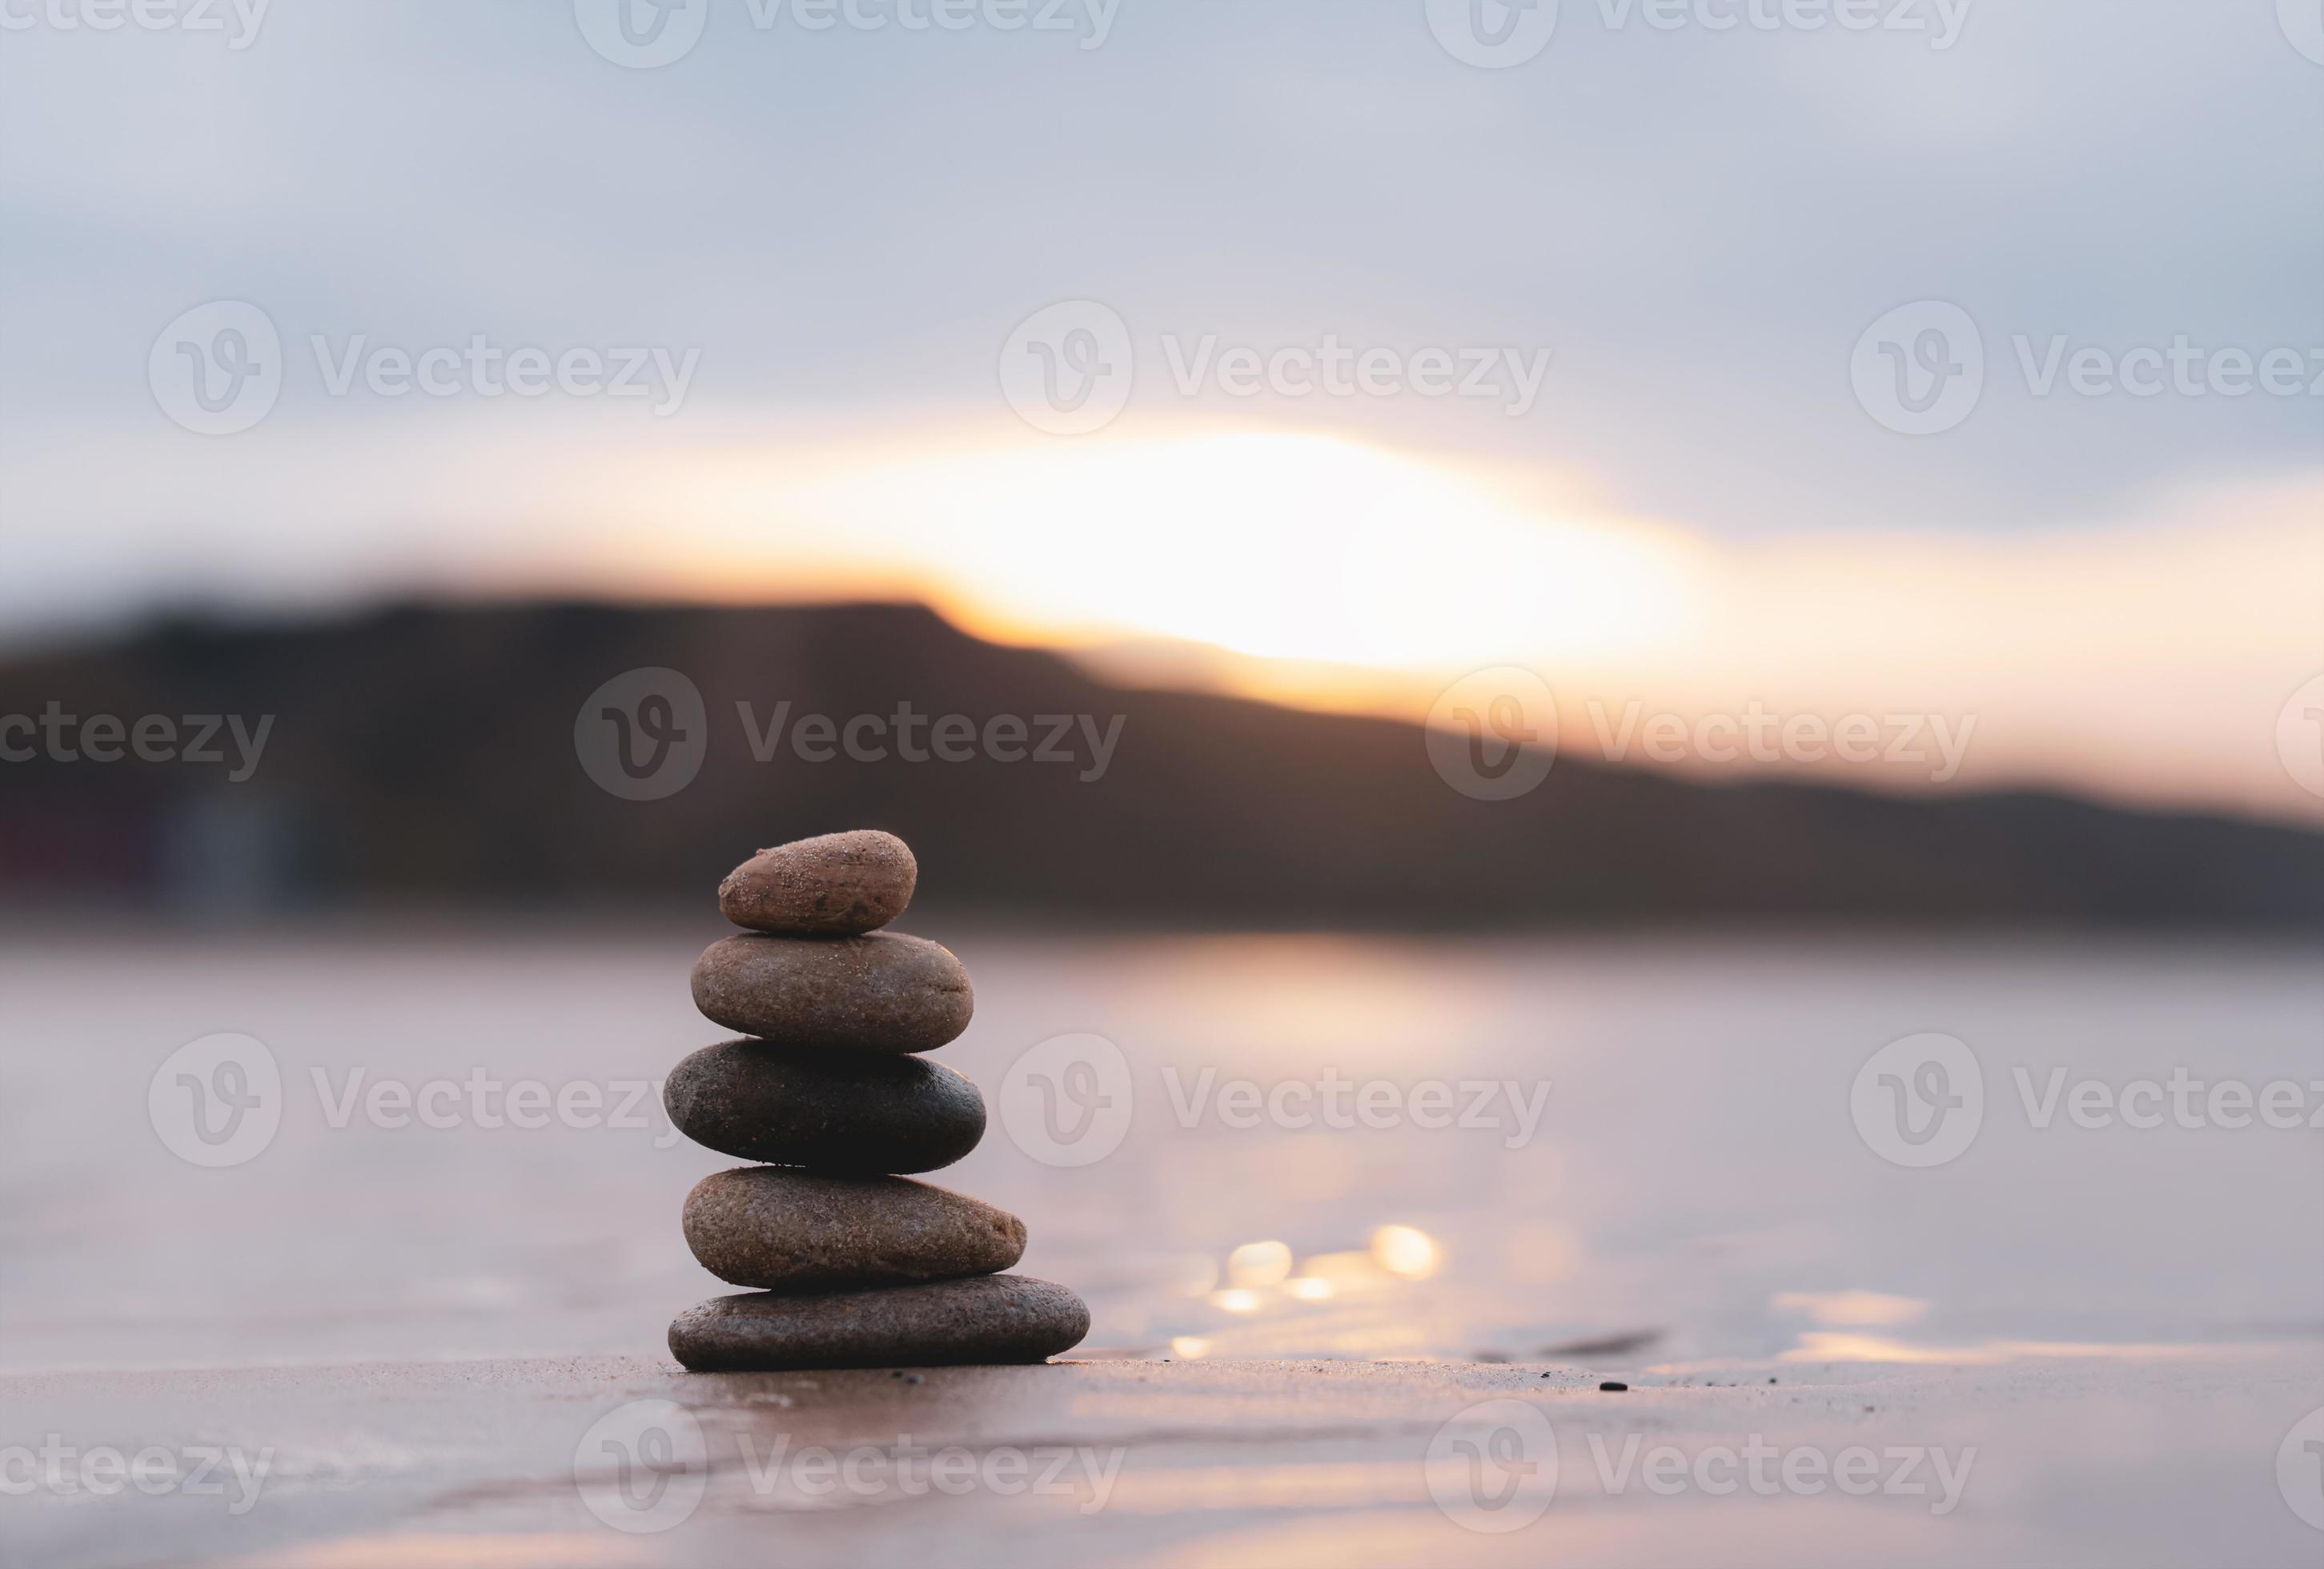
839,885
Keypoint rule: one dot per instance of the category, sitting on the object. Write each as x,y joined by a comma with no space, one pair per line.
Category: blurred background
1637,561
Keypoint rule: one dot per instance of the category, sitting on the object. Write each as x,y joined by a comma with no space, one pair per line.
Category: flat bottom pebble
985,1320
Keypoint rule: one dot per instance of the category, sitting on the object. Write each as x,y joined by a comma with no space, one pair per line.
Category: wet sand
2123,1323
2168,1458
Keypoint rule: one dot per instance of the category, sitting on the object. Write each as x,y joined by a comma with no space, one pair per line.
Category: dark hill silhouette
429,754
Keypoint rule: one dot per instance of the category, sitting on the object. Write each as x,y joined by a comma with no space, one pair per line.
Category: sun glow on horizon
1276,547
1330,575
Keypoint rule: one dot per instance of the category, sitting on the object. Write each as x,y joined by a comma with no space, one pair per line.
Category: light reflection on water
1694,1189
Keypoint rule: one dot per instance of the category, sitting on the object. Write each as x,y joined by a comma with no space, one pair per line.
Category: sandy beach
2154,1459
418,1344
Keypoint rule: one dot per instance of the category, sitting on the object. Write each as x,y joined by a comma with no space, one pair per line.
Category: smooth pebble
779,1230
883,991
835,885
836,1109
989,1319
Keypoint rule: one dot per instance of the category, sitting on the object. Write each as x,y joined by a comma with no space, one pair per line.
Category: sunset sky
1692,514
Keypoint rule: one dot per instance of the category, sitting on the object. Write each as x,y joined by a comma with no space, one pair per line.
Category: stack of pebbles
853,1264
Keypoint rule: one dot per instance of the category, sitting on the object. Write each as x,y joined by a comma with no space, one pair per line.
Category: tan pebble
834,885
778,1229
883,990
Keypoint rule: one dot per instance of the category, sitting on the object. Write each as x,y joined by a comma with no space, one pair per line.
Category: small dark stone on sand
989,1319
835,1109
779,1230
835,885
1611,1387
884,990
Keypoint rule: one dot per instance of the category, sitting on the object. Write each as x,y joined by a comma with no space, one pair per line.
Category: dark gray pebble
988,1319
835,1109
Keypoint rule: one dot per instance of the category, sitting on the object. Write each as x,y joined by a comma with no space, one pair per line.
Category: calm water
1691,1169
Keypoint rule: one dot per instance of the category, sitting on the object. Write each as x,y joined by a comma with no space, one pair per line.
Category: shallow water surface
1421,1148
